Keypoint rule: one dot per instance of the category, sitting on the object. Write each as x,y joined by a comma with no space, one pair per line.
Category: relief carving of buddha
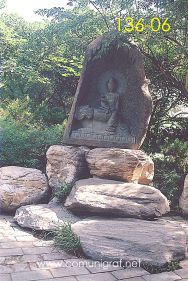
107,112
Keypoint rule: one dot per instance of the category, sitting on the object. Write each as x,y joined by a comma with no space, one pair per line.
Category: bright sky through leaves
26,8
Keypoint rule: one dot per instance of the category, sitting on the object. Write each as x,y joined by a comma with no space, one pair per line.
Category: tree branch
104,18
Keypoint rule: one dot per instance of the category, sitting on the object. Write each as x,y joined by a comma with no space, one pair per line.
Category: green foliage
168,181
178,151
62,192
35,67
171,166
65,238
22,146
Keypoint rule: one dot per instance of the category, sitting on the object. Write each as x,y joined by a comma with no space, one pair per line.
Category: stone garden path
24,257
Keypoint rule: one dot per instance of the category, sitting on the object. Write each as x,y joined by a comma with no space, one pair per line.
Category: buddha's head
112,85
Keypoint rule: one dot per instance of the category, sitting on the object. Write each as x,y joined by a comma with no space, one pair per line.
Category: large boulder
152,243
21,186
121,164
65,164
183,202
43,217
107,197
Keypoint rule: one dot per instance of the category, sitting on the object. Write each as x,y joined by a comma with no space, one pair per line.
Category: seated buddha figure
107,112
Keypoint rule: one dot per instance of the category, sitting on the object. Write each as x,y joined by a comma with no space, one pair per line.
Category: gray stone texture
108,197
65,164
21,186
153,243
38,266
43,217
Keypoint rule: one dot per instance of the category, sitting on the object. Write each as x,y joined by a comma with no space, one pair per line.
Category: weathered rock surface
65,164
121,164
21,186
153,243
183,222
43,217
113,114
183,202
107,197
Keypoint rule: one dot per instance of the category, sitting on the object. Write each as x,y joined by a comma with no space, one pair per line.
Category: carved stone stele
112,105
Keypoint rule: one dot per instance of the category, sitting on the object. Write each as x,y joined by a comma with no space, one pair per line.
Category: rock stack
110,115
110,177
120,205
117,183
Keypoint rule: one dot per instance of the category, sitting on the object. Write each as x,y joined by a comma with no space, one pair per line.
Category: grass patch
63,191
67,240
43,234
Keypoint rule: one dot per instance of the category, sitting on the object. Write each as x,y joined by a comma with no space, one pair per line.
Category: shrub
26,146
171,167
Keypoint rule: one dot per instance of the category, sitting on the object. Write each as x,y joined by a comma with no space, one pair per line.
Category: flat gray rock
107,197
178,220
43,217
153,243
